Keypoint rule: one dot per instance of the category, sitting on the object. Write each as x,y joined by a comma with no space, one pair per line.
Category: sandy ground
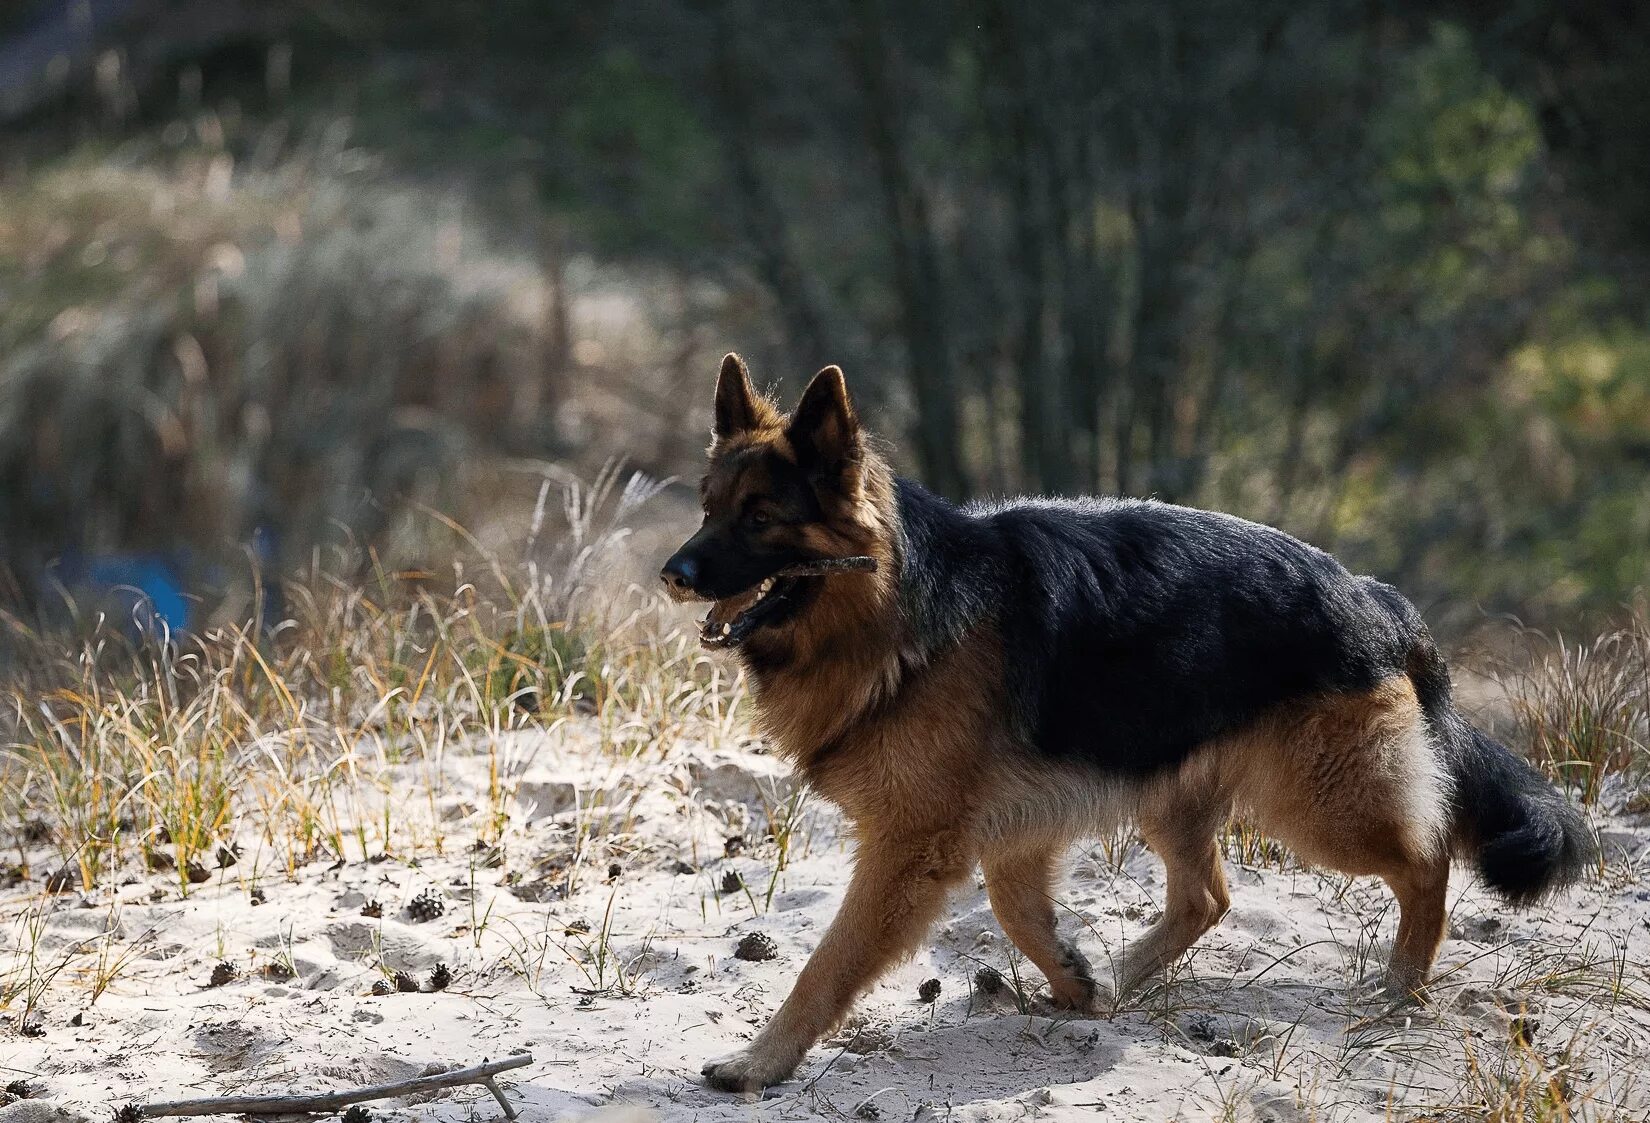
624,986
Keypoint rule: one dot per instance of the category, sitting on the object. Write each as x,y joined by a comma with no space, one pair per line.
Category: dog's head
779,492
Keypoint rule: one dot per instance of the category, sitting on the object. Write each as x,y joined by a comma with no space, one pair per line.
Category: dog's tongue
726,610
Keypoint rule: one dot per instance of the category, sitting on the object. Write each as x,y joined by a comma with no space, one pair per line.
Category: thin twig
852,1041
822,566
482,1074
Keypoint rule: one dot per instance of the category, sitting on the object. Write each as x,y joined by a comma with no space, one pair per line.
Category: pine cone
756,947
428,905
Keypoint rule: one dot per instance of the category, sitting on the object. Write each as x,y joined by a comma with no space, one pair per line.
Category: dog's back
1134,631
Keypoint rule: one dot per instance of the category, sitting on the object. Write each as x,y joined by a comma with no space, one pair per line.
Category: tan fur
1020,881
908,780
922,763
844,653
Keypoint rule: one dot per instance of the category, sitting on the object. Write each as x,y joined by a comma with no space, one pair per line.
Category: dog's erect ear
824,430
739,409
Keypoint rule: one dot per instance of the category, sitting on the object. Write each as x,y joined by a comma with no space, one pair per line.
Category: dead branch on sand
482,1074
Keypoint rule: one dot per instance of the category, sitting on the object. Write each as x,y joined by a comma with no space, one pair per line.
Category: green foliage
1456,156
1450,129
554,662
650,167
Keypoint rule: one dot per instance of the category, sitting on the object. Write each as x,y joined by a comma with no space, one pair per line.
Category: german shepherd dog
1012,677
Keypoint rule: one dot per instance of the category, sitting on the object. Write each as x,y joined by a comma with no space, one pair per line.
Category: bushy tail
1528,839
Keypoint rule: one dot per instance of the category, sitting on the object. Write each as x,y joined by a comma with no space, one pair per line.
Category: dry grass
271,750
244,756
1583,708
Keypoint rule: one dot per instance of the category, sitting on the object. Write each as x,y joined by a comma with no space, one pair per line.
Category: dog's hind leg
1019,879
1355,783
1423,920
1180,826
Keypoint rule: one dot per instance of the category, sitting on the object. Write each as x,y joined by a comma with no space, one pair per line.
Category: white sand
1261,1022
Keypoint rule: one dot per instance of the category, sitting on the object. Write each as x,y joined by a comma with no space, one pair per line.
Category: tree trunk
1015,111
916,256
1072,194
1156,352
764,222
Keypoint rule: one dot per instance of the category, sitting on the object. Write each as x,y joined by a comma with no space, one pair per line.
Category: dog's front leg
898,888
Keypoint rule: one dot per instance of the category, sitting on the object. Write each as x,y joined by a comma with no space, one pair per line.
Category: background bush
1374,274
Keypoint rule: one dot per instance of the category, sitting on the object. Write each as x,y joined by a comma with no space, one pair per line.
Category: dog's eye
761,518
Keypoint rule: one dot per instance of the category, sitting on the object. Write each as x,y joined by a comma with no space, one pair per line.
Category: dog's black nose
681,573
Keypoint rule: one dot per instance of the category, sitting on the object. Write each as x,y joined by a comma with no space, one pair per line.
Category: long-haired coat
1011,677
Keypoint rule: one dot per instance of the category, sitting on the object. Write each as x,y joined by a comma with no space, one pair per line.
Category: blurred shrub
291,360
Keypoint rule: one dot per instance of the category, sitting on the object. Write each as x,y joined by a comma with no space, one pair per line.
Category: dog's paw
1404,992
1074,989
745,1072
1388,991
1084,997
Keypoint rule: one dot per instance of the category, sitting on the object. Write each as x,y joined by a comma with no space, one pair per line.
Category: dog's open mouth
732,619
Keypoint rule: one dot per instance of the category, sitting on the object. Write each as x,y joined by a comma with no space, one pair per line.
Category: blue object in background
151,582
143,590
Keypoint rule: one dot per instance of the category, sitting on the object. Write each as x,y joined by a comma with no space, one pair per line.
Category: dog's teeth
766,586
726,628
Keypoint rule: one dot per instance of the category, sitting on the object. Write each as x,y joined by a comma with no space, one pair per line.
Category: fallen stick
482,1074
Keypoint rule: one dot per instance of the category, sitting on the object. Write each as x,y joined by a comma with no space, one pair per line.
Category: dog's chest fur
887,740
